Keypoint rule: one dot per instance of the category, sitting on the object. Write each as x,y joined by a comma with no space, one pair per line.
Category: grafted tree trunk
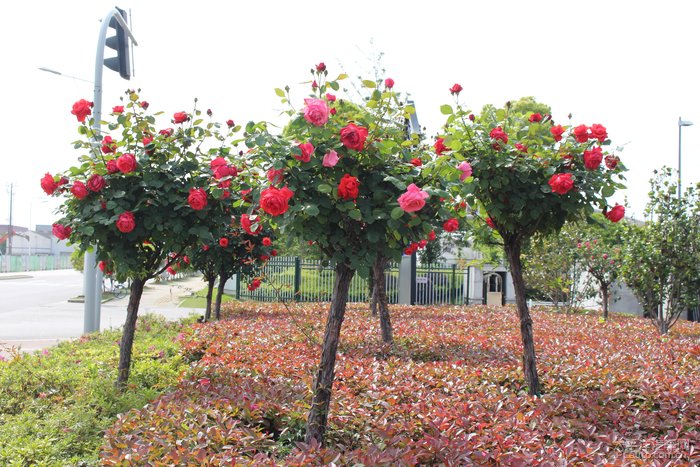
604,289
219,294
127,341
318,414
372,293
382,301
513,246
210,289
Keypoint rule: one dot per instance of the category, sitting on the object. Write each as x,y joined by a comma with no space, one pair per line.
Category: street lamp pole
681,124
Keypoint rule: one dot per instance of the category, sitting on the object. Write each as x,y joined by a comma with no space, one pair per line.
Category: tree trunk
512,247
604,291
219,294
318,414
382,301
372,293
210,290
127,341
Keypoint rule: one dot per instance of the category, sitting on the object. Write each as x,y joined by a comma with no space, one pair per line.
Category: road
35,312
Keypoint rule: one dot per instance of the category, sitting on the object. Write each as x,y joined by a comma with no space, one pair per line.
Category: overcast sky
629,65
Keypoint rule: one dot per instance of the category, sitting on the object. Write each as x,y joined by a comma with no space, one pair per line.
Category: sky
629,65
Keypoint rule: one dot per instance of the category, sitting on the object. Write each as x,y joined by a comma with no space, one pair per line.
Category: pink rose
96,183
197,199
306,150
389,83
466,169
112,166
353,137
126,163
126,222
330,97
330,159
414,199
561,183
316,111
61,232
456,89
321,67
79,189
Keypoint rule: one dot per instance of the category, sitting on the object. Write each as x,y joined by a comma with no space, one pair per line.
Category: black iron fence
302,280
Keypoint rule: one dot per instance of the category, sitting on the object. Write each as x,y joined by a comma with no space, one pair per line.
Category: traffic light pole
92,276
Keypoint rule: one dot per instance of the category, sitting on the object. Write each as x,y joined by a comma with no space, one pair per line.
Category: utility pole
9,227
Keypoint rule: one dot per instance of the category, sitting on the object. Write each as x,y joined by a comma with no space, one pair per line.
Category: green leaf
311,210
341,76
608,191
368,83
355,214
280,92
397,212
324,188
446,109
335,86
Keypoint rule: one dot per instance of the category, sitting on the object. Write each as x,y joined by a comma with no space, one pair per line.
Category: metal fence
297,279
21,263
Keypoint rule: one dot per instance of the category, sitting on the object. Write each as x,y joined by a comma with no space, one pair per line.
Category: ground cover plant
449,392
55,405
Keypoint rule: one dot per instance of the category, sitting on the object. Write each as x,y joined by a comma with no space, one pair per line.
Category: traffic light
119,42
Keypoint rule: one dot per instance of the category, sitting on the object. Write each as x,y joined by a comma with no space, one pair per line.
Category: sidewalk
158,297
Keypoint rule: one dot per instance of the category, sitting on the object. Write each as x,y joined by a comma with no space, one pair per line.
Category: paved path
46,320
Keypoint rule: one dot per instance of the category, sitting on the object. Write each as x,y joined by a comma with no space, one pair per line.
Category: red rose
416,162
611,161
333,111
321,67
273,252
230,123
197,199
353,137
118,109
79,190
598,132
450,225
247,223
166,132
456,89
440,146
490,223
108,145
180,117
223,242
217,162
557,131
520,147
534,118
48,184
314,85
275,176
209,113
146,140
472,117
561,183
349,187
96,183
61,232
266,241
126,222
144,105
254,284
112,166
616,213
171,270
330,97
499,135
432,236
126,163
82,109
389,83
593,158
275,201
306,150
581,133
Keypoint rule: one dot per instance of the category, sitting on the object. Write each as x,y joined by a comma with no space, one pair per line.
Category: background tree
661,262
530,176
140,195
332,181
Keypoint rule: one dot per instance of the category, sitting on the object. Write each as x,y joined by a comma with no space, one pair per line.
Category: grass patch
199,299
56,404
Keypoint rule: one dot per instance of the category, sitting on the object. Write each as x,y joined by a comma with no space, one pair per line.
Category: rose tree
341,177
530,176
140,195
